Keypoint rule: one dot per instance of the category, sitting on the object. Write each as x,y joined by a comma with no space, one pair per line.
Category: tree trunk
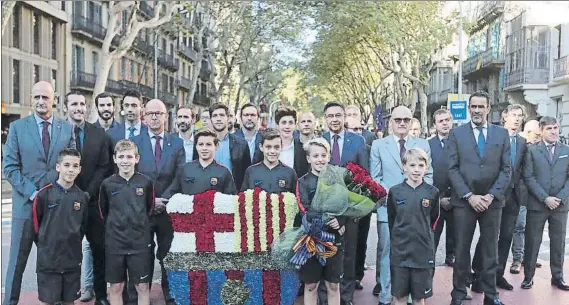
7,9
100,84
423,105
238,99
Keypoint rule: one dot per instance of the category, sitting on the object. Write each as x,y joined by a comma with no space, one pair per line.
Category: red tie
157,151
45,140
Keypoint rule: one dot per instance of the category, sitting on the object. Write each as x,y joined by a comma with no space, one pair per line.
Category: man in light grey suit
387,170
30,154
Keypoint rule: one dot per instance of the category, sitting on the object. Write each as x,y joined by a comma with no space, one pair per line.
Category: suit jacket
240,158
258,155
25,164
117,133
440,167
516,182
544,178
96,164
172,159
368,136
354,149
386,166
469,172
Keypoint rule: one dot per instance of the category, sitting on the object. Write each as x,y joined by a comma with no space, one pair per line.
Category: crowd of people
111,182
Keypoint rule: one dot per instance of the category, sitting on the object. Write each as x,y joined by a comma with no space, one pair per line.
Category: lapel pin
168,144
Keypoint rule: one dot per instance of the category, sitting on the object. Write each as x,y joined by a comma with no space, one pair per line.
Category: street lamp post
460,50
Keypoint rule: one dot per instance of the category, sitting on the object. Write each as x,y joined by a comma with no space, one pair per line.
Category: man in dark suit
354,117
131,104
30,155
346,147
161,156
513,116
546,174
478,155
250,131
94,145
106,110
233,151
443,125
292,153
185,123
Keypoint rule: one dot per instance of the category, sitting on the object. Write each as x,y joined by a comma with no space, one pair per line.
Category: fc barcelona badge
77,206
139,191
213,181
426,203
282,183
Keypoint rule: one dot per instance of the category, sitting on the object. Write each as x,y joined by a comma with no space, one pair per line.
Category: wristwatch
467,196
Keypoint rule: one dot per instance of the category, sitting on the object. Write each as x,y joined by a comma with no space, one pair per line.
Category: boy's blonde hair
317,142
125,144
415,154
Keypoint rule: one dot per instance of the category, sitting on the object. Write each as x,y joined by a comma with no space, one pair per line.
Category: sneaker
515,268
87,295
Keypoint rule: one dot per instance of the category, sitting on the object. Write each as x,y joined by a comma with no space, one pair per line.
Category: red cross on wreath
203,222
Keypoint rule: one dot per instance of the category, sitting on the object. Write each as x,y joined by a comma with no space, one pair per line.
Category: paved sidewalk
541,294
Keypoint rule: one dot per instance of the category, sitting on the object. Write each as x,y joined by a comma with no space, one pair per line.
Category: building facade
558,92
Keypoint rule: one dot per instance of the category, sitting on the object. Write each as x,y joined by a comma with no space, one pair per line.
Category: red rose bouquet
359,181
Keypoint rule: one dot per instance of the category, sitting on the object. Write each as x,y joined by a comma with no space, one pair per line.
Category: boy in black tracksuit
203,174
270,174
126,201
412,211
60,218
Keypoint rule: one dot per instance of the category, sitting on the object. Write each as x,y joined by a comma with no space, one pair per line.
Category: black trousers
465,219
535,223
507,224
363,231
96,237
446,217
161,226
348,283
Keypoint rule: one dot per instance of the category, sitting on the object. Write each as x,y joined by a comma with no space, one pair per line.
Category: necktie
444,142
402,149
336,151
481,141
131,132
78,144
514,148
550,150
45,139
157,150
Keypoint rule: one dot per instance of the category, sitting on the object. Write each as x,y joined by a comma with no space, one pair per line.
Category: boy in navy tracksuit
60,218
412,211
271,175
126,201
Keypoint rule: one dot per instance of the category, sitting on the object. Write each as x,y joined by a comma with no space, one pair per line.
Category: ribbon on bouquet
315,242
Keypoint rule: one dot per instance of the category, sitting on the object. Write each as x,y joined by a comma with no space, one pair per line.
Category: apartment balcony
168,61
202,100
143,47
205,73
146,9
483,63
168,98
487,13
526,76
188,52
114,87
185,83
440,97
88,28
145,90
81,80
561,69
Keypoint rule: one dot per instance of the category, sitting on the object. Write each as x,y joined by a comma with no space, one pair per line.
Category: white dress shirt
397,142
137,128
287,155
188,147
153,140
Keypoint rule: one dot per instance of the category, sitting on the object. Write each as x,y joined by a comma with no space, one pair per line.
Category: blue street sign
458,110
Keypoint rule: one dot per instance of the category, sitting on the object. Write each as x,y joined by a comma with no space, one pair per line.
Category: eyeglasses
155,114
337,115
399,120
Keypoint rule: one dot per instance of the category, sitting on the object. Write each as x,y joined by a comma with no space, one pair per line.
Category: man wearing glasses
161,156
354,118
30,154
250,132
387,170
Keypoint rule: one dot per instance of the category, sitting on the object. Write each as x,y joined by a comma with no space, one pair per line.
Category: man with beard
233,151
30,154
94,145
184,121
106,109
306,126
479,162
346,147
250,132
132,107
161,157
354,117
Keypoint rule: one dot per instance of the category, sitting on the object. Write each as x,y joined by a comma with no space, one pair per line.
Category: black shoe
493,301
538,265
300,290
359,285
502,283
560,283
527,284
376,289
455,302
476,287
449,261
102,302
384,303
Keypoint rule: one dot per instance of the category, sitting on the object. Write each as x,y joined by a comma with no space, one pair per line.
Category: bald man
305,126
30,155
161,156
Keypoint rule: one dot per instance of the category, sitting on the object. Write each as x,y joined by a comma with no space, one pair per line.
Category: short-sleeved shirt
411,213
126,206
194,179
280,178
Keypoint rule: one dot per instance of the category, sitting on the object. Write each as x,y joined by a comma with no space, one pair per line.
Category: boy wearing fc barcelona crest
271,175
203,174
412,211
59,218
